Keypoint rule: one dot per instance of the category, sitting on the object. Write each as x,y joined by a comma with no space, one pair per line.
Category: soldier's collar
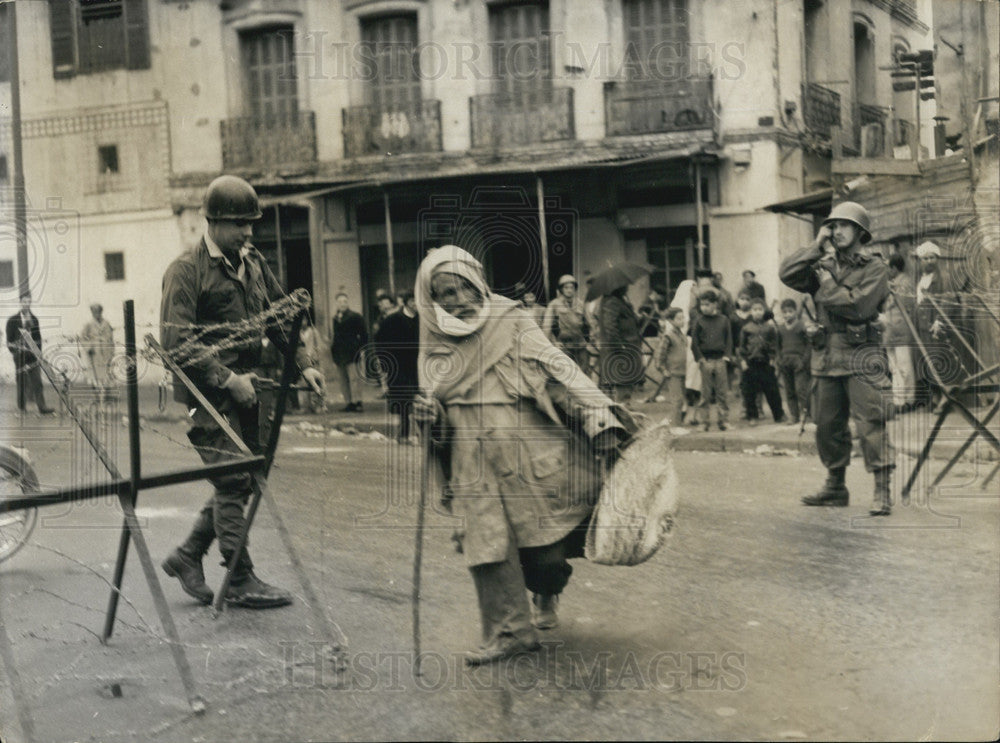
214,251
855,258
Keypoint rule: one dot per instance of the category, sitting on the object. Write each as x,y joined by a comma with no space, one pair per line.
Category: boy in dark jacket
758,348
793,360
712,346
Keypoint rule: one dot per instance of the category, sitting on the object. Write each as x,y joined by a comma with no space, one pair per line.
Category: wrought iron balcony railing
501,120
269,143
820,109
374,130
651,106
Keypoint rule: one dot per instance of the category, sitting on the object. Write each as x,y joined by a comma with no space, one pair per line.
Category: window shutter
62,27
136,35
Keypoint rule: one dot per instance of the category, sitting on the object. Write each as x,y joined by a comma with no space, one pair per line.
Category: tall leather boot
833,493
184,563
881,500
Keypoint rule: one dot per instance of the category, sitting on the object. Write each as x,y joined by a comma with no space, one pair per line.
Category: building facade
548,137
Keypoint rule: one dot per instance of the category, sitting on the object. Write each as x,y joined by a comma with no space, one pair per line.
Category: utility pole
20,207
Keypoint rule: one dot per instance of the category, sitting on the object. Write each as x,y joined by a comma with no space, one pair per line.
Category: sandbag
638,502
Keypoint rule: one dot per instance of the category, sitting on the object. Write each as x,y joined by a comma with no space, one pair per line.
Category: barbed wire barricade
201,343
985,380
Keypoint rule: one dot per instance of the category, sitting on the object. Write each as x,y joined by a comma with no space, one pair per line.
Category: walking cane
418,550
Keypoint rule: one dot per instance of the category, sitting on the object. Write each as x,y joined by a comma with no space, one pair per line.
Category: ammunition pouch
859,334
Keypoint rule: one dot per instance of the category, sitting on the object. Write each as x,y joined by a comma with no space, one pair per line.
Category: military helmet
567,279
851,211
232,198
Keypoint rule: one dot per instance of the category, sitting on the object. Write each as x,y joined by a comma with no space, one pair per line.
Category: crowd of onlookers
697,348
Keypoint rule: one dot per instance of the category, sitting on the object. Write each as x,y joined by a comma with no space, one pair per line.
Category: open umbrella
615,277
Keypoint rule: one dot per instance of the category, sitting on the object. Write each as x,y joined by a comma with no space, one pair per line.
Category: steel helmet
232,198
851,211
567,279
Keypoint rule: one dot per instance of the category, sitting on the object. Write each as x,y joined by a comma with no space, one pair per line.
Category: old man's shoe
501,647
543,610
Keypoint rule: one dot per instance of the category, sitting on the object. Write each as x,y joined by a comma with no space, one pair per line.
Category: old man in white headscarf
517,427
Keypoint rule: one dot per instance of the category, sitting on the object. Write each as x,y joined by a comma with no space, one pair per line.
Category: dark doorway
285,245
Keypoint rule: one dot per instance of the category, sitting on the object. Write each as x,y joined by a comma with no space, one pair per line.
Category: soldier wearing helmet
565,322
849,289
224,280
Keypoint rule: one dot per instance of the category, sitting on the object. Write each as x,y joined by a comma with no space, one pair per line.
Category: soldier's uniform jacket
847,303
200,290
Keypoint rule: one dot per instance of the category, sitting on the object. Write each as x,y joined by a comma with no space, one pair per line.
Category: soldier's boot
833,493
184,563
881,500
249,591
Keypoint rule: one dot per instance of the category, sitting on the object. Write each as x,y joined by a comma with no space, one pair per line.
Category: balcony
372,130
820,109
498,120
269,143
653,106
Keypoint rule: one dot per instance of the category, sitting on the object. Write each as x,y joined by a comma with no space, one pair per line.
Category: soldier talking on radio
849,289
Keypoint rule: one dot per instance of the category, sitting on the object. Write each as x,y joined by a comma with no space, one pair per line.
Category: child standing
671,360
758,348
712,346
793,361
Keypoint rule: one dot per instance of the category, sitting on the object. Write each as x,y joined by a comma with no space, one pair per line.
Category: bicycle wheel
16,478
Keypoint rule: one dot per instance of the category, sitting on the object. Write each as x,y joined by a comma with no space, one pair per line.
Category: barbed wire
205,340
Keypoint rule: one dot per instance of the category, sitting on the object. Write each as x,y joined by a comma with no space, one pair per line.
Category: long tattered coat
514,470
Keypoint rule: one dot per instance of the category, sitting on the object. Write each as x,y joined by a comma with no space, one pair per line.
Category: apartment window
522,66
114,266
96,35
656,39
270,76
6,274
864,60
107,156
393,76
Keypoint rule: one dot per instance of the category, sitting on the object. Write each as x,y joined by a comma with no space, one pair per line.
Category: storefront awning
465,167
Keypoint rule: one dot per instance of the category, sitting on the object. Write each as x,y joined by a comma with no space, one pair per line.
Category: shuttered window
392,74
96,35
519,36
656,38
271,82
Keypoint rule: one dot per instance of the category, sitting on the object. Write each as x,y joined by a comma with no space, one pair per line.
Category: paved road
760,619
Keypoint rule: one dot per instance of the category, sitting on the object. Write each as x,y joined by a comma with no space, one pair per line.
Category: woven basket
638,502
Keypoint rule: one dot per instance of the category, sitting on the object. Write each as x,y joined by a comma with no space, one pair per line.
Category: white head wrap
928,248
455,260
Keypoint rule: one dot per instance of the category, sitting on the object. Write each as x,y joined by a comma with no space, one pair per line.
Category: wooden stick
418,550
